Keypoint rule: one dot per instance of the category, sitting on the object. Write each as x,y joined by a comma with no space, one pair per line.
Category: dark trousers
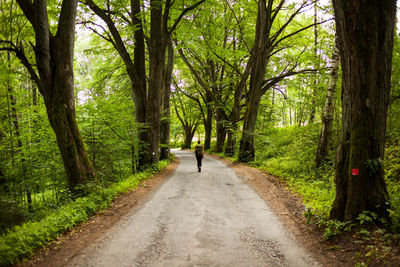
199,159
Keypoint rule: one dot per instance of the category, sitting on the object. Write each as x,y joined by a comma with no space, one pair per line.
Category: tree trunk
221,131
156,64
258,61
327,117
231,140
137,74
189,134
165,119
54,59
365,35
246,152
208,122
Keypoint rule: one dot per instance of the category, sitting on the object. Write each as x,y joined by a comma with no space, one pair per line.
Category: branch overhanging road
198,219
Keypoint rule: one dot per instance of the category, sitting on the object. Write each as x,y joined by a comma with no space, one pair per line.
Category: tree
146,92
220,68
165,123
189,118
54,55
267,42
365,33
327,117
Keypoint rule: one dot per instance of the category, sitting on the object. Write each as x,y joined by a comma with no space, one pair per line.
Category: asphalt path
198,219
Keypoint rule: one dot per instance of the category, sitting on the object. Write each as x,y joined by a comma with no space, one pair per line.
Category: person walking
198,151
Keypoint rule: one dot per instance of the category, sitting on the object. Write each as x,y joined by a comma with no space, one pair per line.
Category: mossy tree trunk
365,33
55,80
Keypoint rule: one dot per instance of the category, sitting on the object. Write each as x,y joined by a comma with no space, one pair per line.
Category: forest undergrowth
289,153
22,240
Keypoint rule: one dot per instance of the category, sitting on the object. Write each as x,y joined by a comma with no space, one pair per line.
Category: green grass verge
23,240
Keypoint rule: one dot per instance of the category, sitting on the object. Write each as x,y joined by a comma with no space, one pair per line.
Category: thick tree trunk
156,64
137,74
246,152
258,61
365,35
189,134
327,117
54,59
165,119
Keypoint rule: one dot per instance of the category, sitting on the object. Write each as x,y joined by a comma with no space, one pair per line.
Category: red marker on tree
355,172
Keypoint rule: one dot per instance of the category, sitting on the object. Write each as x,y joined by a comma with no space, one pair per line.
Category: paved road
198,219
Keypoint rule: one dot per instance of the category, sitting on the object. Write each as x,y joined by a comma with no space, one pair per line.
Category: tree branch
20,54
183,14
118,42
240,28
28,9
300,30
272,81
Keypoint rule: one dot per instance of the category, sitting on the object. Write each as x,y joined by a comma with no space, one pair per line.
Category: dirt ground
285,204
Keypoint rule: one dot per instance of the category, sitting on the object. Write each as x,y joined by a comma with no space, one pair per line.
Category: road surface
198,219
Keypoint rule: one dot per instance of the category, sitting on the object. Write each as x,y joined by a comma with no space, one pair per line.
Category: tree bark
258,60
327,117
365,33
221,131
189,130
208,122
165,119
54,61
137,74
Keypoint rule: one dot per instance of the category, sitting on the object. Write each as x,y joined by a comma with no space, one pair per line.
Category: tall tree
165,123
188,117
327,117
54,54
146,92
365,31
267,42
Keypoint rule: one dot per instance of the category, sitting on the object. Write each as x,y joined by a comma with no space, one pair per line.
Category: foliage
23,240
289,153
